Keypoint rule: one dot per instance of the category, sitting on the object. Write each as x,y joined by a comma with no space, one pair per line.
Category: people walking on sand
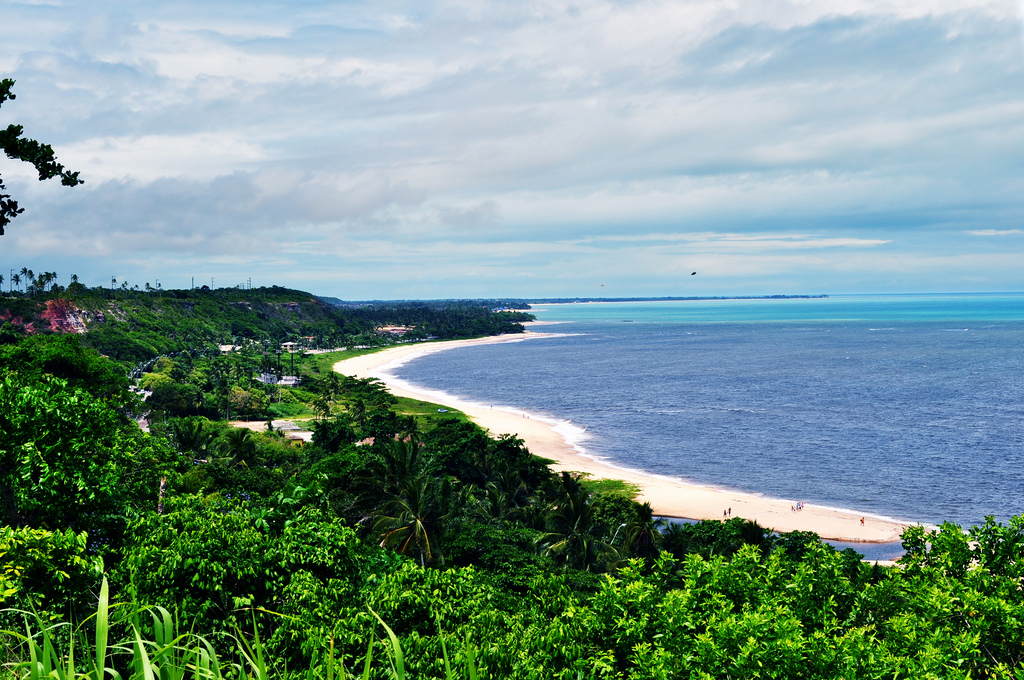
730,512
862,521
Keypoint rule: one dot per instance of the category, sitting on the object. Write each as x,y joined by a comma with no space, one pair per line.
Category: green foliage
448,319
506,553
68,461
65,357
209,558
19,148
611,486
711,537
46,570
576,535
508,571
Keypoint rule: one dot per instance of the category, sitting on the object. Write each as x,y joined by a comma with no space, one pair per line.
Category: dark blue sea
903,406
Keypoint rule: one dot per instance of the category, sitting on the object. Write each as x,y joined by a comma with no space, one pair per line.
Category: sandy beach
668,497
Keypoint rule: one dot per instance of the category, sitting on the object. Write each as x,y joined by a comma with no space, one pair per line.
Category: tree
29,150
237,445
68,461
572,531
643,533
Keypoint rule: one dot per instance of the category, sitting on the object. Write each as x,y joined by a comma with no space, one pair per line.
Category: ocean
902,406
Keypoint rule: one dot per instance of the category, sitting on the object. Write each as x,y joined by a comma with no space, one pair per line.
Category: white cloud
994,232
524,138
150,157
749,242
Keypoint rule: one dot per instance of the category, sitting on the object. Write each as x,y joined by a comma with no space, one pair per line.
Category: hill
133,326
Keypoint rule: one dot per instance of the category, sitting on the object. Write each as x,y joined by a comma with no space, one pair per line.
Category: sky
392,150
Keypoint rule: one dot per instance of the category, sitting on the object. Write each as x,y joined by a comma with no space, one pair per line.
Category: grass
426,413
324,363
616,487
284,410
160,652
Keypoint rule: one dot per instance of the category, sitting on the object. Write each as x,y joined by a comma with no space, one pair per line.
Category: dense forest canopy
479,559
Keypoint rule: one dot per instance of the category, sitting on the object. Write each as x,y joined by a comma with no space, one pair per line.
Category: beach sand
669,497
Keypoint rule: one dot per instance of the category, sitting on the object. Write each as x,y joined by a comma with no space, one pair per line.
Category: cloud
767,138
994,232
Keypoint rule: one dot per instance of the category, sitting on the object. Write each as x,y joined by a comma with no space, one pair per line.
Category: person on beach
730,512
862,521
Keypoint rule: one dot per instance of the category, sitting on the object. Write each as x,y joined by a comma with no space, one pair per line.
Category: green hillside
400,541
133,326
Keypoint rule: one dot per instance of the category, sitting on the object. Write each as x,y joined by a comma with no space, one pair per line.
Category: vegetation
286,560
39,155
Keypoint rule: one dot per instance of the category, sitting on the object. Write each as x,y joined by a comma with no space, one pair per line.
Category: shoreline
559,441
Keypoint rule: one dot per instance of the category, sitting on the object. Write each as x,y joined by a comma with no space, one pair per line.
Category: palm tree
189,436
643,532
393,465
237,445
45,279
571,528
322,406
332,385
408,429
358,411
409,520
506,498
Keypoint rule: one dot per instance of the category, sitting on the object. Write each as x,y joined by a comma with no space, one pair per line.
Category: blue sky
469,149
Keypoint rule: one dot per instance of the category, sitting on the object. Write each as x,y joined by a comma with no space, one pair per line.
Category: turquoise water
908,406
842,308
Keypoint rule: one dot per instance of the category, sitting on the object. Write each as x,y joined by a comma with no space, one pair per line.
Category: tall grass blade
330,656
49,656
369,658
102,631
470,659
35,667
399,659
253,653
444,649
143,666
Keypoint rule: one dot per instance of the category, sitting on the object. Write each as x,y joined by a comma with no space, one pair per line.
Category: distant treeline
448,319
491,303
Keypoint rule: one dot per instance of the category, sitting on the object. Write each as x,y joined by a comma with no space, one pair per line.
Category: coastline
669,497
